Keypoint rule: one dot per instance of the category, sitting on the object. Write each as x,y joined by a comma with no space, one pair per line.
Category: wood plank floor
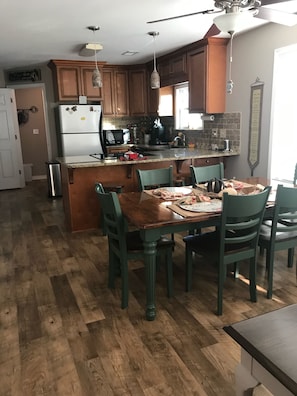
63,332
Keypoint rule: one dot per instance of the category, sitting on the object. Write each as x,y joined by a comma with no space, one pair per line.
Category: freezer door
80,144
79,118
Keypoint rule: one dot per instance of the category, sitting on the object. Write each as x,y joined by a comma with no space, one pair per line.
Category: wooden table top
272,340
147,212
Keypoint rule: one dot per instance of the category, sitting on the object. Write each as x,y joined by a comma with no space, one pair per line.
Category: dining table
154,217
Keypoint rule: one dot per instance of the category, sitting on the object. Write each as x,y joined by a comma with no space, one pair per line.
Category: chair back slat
154,178
241,220
201,174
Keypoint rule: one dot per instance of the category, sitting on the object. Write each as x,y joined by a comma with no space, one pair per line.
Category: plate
214,206
168,193
180,190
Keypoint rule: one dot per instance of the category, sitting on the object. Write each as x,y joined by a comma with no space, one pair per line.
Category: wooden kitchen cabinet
173,69
138,87
207,161
74,78
207,76
115,91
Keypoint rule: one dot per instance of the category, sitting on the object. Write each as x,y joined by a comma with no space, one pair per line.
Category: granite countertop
153,156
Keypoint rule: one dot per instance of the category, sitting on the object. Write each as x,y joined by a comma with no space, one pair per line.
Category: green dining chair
154,178
281,232
124,246
235,240
201,174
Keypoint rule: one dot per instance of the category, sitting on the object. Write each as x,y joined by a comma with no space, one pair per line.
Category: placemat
150,192
186,213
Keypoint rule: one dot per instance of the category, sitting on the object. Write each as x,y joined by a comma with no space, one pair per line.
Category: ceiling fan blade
212,31
269,2
183,16
283,18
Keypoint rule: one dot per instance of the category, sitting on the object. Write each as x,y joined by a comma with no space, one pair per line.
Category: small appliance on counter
226,145
115,137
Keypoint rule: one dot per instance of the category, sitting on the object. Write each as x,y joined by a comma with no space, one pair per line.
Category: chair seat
265,233
199,242
209,241
135,243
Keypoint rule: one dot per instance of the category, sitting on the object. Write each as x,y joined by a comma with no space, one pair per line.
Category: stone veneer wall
230,123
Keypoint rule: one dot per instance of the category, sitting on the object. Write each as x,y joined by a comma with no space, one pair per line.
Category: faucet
179,140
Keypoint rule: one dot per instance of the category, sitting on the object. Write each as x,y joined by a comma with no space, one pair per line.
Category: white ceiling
35,31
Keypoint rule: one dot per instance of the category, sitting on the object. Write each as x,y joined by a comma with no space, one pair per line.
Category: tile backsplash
225,126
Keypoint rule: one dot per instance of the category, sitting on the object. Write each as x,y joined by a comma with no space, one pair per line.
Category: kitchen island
79,174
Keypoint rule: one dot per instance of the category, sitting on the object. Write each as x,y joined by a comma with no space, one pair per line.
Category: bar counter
79,174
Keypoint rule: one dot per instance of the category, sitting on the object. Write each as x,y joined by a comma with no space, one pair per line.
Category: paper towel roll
207,117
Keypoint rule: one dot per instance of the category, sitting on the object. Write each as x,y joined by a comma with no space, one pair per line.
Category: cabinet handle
207,161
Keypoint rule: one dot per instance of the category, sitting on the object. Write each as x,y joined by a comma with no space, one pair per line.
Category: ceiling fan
237,13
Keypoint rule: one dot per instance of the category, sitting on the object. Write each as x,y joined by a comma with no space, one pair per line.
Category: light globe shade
233,21
155,80
96,79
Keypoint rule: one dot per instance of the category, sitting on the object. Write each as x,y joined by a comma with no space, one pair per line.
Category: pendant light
155,77
230,83
96,76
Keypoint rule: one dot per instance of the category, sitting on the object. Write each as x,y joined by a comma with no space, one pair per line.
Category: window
184,119
166,101
283,120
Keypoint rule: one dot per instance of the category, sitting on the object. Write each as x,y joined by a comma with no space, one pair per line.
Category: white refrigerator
81,130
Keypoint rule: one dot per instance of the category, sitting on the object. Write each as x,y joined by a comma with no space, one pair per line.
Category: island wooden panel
81,205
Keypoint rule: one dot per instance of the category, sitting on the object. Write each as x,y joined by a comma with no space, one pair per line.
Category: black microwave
113,137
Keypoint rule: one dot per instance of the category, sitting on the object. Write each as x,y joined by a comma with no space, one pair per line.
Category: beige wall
34,146
253,56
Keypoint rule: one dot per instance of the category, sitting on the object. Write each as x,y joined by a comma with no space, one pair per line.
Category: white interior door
11,161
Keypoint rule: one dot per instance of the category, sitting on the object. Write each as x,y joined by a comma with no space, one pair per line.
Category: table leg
150,277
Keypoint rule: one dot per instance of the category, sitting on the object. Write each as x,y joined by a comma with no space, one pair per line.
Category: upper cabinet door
138,92
87,85
69,83
108,92
121,92
197,80
207,76
115,92
73,79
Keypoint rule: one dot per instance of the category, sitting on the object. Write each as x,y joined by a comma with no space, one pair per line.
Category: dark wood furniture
115,91
82,209
268,351
207,76
74,78
126,89
152,218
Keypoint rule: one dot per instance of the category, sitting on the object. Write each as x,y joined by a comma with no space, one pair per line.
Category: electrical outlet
214,132
223,133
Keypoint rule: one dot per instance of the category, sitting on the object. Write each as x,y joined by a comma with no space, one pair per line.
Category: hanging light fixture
96,76
238,15
155,76
234,21
230,83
